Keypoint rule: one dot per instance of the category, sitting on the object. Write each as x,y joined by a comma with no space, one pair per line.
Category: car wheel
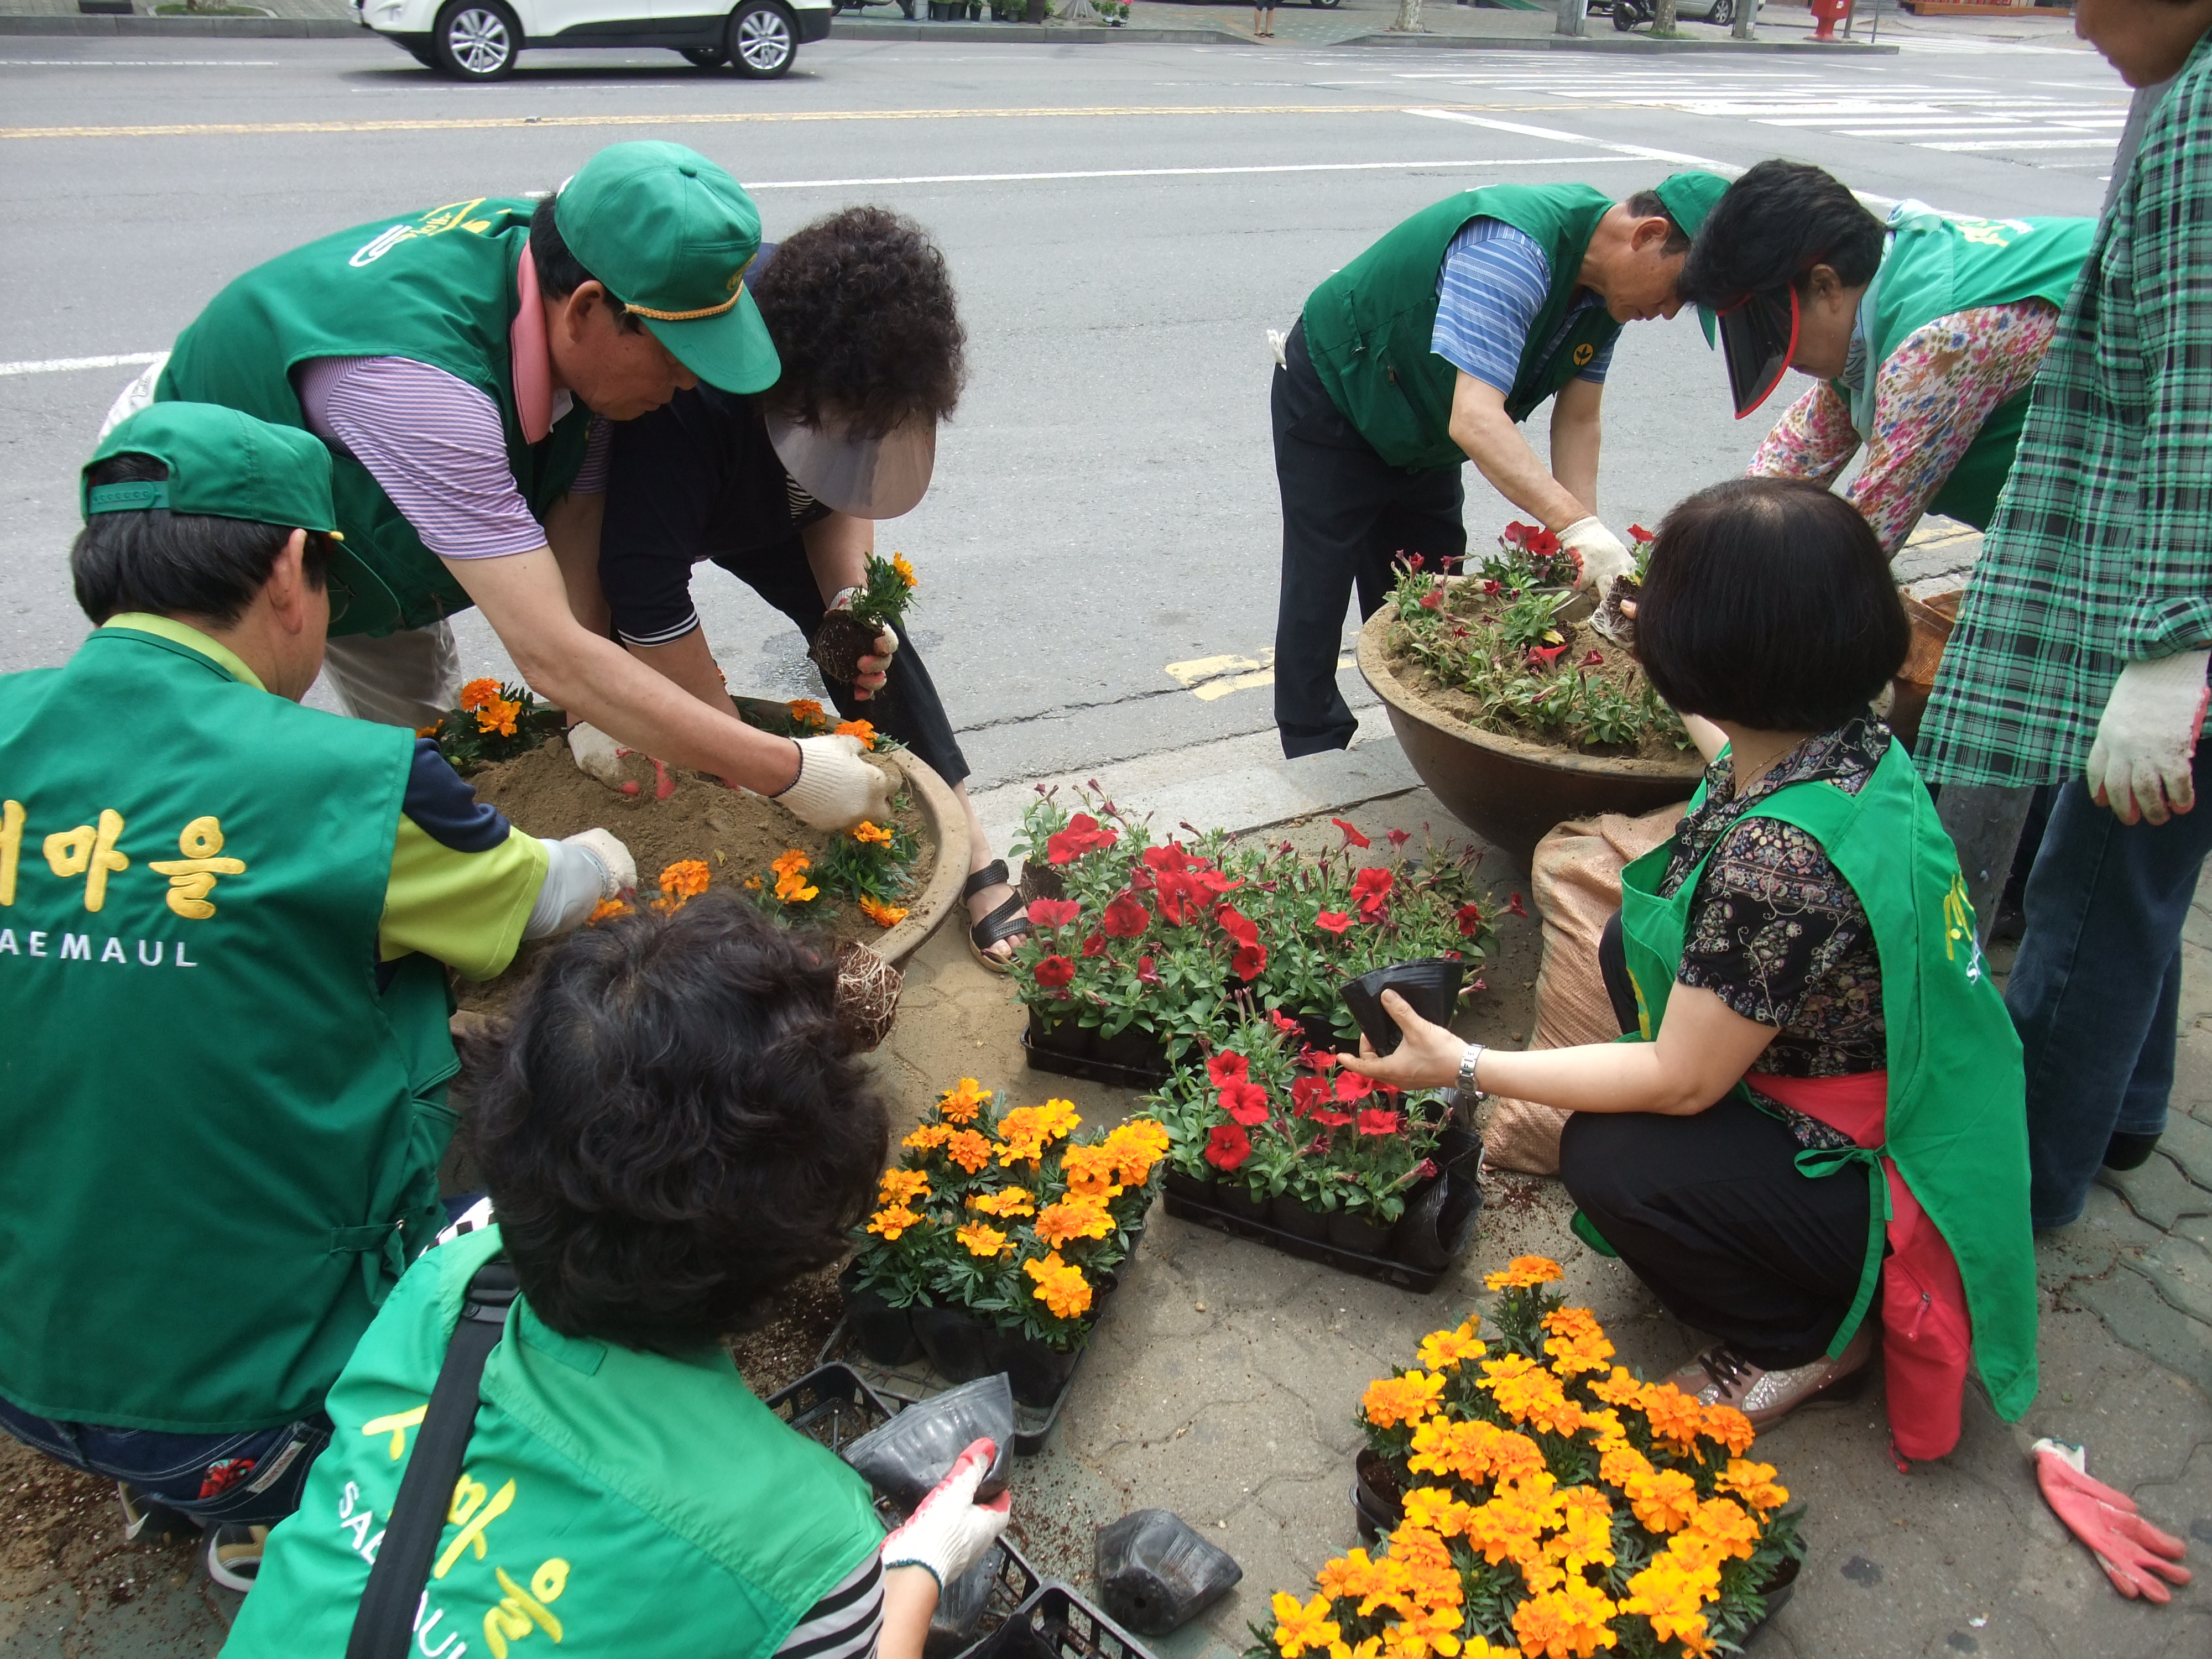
476,40
1723,14
764,39
704,57
1326,5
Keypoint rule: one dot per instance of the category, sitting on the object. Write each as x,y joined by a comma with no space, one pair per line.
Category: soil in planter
1620,666
734,832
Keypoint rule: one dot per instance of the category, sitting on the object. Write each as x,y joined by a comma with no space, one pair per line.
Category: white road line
1641,152
1192,172
2020,143
63,365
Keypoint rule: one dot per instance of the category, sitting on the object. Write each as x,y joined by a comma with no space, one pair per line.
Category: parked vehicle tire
1326,5
704,57
476,40
1624,18
1723,14
764,39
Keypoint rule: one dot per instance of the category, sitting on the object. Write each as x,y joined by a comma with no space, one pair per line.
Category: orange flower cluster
870,834
861,729
791,883
1026,1131
607,910
494,713
884,915
1486,1438
1061,1286
808,714
680,882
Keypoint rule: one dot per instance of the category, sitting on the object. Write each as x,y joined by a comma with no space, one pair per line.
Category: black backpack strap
384,1624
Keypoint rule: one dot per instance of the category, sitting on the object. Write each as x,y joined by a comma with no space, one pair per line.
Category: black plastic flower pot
1377,1504
1431,985
1179,1185
960,1345
1360,1233
906,1458
1130,1059
1287,1214
1155,1574
1234,1197
1439,1218
885,1333
1036,1372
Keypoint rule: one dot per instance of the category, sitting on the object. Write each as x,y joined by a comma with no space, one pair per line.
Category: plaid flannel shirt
2102,550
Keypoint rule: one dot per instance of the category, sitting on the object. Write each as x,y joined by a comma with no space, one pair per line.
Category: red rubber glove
2131,1550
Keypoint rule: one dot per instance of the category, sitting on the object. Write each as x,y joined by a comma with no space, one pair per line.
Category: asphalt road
1124,221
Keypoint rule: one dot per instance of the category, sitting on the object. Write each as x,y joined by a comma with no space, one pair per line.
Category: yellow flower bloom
905,571
1061,1287
1090,1172
1754,1484
1072,1219
1298,1628
1136,1146
1523,1272
1664,1499
1442,1351
970,1150
1407,1399
902,1186
1585,1534
1006,1203
1722,1522
1622,1463
1528,1394
1473,1452
892,1222
1571,1356
1566,1623
927,1138
1026,1131
1351,1576
1672,1599
960,1104
869,834
863,730
1434,1510
981,1240
1423,1632
1619,1390
884,915
1675,1417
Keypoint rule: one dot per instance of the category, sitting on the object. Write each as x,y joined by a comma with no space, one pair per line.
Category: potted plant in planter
998,1235
1517,712
1138,950
850,633
1537,1497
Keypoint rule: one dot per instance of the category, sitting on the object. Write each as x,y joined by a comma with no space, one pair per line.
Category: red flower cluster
1227,1146
1251,956
1469,918
1310,1096
1532,539
1224,1069
1371,891
1056,973
1054,912
1245,1102
1083,835
1332,921
1125,918
1183,886
1377,1122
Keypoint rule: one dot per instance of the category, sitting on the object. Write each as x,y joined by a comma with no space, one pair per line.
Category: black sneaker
2127,1152
233,1555
146,1522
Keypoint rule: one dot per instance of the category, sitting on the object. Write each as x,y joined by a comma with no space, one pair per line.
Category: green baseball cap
669,234
222,462
1689,196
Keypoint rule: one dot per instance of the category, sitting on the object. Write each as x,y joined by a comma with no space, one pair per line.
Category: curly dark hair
674,1128
1770,603
861,309
1771,227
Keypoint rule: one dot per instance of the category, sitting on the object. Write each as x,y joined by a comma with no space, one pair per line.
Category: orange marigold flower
1754,1484
1528,1394
1008,1202
607,910
1351,1576
870,834
1434,1510
884,915
1298,1628
1727,1426
498,715
1566,1623
905,571
1671,1598
1664,1499
892,1222
960,1104
1620,1388
1675,1417
863,730
970,1150
1573,1322
981,1240
429,730
1621,1463
1523,1272
1407,1399
1723,1523
1442,1351
480,693
1473,1452
1072,1219
902,1186
686,878
807,713
1136,1145
1060,1286
1585,1534
1424,1631
928,1136
1090,1172
1571,1356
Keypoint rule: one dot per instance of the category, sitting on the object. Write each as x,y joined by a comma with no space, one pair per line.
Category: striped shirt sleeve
847,1622
1490,291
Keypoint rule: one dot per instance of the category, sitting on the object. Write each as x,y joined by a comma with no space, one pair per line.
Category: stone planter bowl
1509,790
947,827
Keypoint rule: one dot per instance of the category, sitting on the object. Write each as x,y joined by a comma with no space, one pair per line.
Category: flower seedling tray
1012,1584
911,1383
1128,1060
832,1406
1055,1623
1382,1269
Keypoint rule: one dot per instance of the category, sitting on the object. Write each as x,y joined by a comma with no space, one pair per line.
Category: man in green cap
462,364
1427,351
225,927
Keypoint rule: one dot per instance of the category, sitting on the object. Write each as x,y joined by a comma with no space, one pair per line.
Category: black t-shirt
695,479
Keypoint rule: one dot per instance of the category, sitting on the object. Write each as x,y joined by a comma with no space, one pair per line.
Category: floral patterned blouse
1931,399
1775,931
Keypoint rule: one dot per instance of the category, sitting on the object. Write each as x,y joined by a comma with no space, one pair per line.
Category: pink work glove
949,1531
2128,1549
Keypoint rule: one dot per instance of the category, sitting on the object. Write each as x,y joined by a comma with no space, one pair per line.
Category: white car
479,39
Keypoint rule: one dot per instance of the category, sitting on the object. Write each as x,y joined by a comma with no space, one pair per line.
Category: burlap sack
1575,876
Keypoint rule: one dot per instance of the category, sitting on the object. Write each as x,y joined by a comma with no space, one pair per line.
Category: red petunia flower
1083,835
1249,962
1639,535
1513,906
1054,912
1318,1059
1398,838
1288,1026
1169,857
1125,918
1307,1093
1245,1102
1054,973
1351,836
1227,1146
1433,600
1413,561
1596,660
1234,923
1226,1068
1370,889
1180,896
1489,586
1351,1086
1375,1121
1543,656
1148,972
1095,945
1332,921
1469,918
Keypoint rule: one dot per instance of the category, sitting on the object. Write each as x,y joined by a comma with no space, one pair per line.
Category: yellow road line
720,117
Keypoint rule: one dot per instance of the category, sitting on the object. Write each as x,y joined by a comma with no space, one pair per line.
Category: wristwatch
1468,1062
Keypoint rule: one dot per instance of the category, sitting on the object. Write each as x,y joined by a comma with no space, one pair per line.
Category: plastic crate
912,1383
1056,1623
832,1406
1012,1584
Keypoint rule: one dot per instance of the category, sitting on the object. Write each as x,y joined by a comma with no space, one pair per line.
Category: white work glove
581,871
1601,554
836,788
596,753
950,1532
2139,766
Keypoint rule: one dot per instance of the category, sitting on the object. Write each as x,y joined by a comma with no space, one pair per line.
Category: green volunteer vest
1368,327
222,1142
1957,1118
612,1502
1936,266
438,288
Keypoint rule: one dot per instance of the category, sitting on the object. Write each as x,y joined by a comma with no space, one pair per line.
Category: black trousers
1711,1214
907,708
1347,514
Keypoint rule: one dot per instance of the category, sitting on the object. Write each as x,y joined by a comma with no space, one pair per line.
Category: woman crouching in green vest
1925,334
1822,1096
673,1130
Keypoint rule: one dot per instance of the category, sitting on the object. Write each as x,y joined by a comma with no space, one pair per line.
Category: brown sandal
1008,920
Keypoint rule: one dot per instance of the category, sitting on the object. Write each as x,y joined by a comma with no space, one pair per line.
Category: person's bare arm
1702,1048
910,1597
690,663
1480,426
1575,434
572,531
525,598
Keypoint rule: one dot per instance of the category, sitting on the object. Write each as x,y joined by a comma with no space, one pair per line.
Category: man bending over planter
1426,352
225,923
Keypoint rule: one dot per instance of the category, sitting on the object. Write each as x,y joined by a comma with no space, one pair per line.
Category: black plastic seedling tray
1382,1269
832,1406
1055,1623
910,1384
1012,1583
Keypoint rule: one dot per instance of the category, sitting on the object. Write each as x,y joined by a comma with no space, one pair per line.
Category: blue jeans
2096,990
253,1477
